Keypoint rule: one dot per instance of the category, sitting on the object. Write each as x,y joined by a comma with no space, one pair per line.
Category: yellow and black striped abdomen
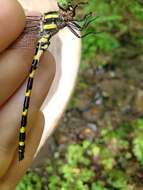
42,45
48,28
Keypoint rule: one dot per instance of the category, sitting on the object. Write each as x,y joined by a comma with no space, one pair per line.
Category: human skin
14,67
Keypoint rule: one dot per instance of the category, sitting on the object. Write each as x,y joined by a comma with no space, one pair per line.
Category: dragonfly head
68,13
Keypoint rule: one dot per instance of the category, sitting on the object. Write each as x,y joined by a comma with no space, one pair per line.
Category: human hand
14,68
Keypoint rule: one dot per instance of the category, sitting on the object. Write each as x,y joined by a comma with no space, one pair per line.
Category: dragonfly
50,24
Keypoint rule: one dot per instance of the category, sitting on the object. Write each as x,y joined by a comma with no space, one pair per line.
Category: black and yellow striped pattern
47,30
41,46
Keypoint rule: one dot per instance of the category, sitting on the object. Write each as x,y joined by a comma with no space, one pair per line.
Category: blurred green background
99,142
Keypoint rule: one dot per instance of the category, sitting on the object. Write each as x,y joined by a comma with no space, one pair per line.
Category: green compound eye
64,4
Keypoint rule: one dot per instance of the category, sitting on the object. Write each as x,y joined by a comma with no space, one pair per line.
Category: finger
6,154
14,67
18,169
12,20
11,112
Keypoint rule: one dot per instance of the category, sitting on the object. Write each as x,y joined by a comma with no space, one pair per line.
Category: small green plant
75,172
115,20
31,181
104,163
138,141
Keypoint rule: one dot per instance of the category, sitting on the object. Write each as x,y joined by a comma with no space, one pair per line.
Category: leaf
138,148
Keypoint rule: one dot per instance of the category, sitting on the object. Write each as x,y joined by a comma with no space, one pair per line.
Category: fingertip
18,169
12,20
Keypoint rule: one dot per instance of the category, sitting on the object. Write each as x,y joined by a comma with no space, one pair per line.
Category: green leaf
138,148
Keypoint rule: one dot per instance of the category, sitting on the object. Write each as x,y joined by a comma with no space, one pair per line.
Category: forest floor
110,95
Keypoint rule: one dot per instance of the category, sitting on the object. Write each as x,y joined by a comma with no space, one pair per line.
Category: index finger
12,22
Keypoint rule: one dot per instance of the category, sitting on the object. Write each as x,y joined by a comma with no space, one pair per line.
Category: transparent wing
30,34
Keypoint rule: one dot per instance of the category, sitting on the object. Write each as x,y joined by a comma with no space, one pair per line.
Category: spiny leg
89,15
87,20
81,36
41,47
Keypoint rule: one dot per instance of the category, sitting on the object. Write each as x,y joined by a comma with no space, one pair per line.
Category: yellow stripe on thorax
51,16
49,26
